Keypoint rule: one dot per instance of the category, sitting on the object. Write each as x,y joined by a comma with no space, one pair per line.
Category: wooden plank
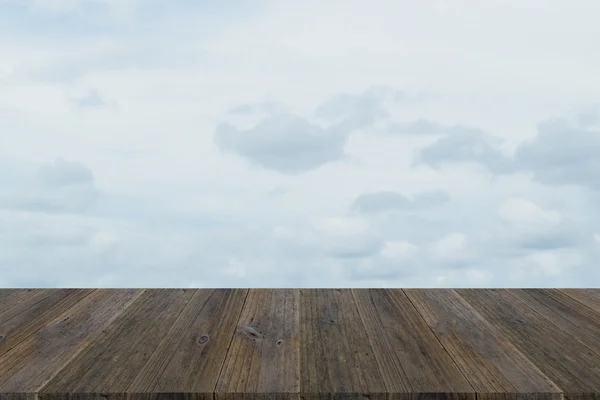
411,357
264,356
309,344
32,313
192,354
28,366
336,356
11,297
24,301
113,359
588,297
568,362
18,396
566,313
488,360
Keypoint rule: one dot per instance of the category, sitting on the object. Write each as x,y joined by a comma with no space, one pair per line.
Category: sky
320,143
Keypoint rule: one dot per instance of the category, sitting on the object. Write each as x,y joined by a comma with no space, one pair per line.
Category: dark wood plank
28,366
299,344
192,354
488,360
18,396
33,312
111,362
11,297
123,396
411,357
264,356
566,313
336,356
588,297
24,301
569,363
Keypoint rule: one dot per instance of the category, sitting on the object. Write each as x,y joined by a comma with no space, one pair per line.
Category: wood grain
264,354
564,312
411,357
112,361
336,355
299,344
30,314
28,366
568,362
588,297
488,360
10,298
191,356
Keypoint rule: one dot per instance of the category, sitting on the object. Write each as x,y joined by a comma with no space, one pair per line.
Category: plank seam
370,342
23,300
34,332
552,322
371,345
230,342
475,312
90,342
41,327
510,343
440,342
577,300
299,333
166,336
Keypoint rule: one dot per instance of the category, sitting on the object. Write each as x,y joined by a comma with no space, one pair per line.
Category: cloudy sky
315,143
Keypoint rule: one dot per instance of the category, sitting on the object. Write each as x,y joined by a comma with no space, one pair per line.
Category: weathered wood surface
301,344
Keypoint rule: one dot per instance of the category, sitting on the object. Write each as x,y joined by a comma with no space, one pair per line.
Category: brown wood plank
299,344
191,356
411,357
566,313
111,362
569,363
28,366
488,360
32,313
336,356
264,354
588,297
22,304
11,297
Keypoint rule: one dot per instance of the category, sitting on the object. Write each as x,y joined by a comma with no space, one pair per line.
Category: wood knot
2,336
279,342
251,332
332,321
203,339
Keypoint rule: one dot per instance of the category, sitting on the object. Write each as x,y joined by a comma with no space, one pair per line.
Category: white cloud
285,143
345,237
450,248
550,263
398,250
58,187
384,201
526,225
478,277
524,213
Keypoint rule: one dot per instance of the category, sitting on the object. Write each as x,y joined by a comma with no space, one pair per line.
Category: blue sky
439,143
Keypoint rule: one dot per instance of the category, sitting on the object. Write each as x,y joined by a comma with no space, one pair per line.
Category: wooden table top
299,343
